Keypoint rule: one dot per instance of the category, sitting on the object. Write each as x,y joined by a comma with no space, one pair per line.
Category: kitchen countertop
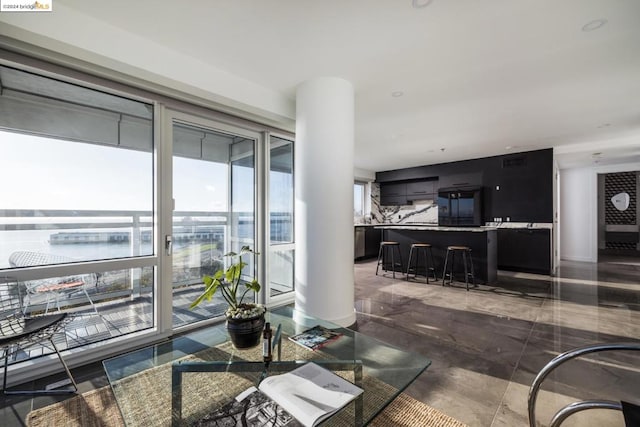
433,228
488,226
519,225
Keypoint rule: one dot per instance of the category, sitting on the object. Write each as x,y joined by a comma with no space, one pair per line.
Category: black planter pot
246,333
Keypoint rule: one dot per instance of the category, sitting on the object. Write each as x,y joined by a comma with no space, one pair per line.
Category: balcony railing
54,237
93,245
81,236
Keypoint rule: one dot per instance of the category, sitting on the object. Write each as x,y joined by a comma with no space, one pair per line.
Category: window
122,221
359,190
77,203
281,200
214,193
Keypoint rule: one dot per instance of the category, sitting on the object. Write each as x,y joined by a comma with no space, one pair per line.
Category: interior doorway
618,214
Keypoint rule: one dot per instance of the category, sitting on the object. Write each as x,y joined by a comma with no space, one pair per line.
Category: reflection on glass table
143,387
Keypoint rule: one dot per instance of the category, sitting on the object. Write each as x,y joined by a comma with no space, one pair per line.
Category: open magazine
303,397
316,337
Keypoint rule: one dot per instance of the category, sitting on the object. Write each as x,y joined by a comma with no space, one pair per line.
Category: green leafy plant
228,282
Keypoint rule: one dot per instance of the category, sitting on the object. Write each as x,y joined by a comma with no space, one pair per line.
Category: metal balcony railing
200,239
97,235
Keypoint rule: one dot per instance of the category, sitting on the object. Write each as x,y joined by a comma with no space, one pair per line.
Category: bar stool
429,265
465,251
389,249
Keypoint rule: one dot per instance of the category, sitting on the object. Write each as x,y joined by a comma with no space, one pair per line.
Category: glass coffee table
180,381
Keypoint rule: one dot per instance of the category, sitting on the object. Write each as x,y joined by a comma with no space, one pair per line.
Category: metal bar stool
429,265
389,249
465,251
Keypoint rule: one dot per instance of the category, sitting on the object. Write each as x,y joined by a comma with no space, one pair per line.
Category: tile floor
487,344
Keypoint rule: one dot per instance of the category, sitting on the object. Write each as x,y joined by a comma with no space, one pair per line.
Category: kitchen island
482,241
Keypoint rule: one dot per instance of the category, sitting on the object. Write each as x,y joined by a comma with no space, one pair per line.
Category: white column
324,230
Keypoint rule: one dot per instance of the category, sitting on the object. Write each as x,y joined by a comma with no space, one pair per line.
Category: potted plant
245,320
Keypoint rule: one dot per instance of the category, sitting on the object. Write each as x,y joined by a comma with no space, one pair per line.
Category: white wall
555,233
364,175
578,215
72,33
579,210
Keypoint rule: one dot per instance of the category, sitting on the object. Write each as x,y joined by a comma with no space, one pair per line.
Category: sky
47,173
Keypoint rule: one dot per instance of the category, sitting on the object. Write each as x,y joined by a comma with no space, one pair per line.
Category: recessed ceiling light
397,94
604,125
508,147
594,25
419,4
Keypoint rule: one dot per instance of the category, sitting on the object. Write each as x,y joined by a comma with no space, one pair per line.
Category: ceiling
475,78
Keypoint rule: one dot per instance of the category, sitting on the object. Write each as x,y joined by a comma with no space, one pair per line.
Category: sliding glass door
214,183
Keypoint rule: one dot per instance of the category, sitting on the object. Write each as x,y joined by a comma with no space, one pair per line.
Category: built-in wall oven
460,207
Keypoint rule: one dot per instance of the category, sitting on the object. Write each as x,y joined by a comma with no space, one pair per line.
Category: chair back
576,407
11,297
32,259
12,321
53,287
29,259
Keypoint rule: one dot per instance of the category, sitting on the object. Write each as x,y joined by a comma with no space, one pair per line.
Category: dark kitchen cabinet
393,194
524,249
460,180
520,187
403,193
393,200
393,189
421,190
372,239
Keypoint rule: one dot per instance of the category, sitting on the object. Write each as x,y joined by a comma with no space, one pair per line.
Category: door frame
166,205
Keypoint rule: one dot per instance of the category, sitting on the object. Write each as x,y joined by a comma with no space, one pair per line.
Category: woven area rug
143,404
98,408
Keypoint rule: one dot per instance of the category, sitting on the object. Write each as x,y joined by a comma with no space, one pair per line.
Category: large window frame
360,187
278,298
166,103
172,117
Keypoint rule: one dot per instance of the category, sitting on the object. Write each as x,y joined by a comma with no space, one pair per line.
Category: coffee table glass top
141,380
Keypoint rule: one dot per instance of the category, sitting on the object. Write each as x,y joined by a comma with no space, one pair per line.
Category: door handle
168,244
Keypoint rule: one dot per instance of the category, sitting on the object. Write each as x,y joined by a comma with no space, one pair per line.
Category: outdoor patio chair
20,332
53,289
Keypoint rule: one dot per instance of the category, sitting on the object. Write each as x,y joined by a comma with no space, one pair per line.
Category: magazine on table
316,337
303,397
